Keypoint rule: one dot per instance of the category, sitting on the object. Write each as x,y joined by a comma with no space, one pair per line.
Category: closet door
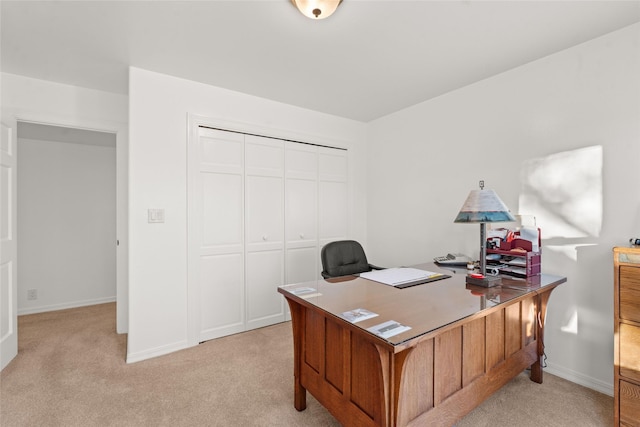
333,190
264,187
220,233
301,213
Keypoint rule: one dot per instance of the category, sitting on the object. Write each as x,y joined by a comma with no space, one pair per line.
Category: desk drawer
629,404
630,293
630,351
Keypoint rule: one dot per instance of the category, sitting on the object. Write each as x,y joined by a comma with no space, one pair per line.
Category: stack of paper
398,275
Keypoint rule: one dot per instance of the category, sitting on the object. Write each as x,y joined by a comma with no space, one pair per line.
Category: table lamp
483,206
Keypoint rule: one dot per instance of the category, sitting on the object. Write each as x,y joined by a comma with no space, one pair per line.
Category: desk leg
536,368
297,324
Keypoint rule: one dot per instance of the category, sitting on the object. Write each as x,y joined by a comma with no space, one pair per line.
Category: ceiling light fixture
316,9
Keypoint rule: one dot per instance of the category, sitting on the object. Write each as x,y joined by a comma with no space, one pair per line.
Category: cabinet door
333,195
219,232
629,281
264,269
629,351
629,404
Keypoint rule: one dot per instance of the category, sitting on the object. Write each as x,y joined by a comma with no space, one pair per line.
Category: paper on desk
530,234
388,329
398,275
358,315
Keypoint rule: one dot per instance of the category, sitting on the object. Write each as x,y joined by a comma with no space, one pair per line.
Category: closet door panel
332,164
303,264
264,156
222,211
221,295
221,151
302,212
265,227
218,233
301,161
264,273
264,186
333,211
333,195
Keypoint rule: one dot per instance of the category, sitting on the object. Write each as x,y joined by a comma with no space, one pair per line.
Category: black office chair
343,258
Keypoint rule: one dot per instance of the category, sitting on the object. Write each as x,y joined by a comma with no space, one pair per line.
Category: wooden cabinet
627,336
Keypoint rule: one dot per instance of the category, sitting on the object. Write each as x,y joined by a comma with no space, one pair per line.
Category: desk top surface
424,308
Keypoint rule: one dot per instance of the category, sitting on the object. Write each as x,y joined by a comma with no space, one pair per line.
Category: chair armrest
375,267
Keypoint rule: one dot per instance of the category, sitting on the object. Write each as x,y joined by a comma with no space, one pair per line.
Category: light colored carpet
71,371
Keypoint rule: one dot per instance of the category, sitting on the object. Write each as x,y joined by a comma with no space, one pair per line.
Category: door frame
9,341
121,132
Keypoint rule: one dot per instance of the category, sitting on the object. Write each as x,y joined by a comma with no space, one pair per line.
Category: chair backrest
342,258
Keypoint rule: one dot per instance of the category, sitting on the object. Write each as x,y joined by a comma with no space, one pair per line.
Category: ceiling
371,58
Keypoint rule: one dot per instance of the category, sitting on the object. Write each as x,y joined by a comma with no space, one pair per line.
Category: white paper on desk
398,275
530,234
388,329
358,315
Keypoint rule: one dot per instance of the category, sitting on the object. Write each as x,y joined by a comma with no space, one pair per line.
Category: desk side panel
342,370
473,350
470,362
447,378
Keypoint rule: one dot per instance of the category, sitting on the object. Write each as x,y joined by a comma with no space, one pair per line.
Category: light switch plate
155,216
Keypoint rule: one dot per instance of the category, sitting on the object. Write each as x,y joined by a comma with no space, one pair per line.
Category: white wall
159,106
426,159
67,226
44,102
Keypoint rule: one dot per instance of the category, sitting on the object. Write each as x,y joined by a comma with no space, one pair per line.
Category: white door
301,214
333,199
264,163
8,286
219,234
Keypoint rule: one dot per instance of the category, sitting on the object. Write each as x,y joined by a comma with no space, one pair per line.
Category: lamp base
485,281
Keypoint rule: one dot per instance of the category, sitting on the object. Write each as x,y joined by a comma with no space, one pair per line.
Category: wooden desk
465,342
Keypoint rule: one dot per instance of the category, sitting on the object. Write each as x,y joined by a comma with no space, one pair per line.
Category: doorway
66,183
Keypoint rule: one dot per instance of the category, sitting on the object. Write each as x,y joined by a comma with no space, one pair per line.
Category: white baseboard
155,352
64,306
578,378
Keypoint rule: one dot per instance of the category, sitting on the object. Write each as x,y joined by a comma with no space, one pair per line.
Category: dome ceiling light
317,9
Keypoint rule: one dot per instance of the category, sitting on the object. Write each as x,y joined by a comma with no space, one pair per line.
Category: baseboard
581,379
155,352
64,306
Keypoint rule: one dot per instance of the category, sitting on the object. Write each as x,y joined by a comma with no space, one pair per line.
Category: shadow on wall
564,191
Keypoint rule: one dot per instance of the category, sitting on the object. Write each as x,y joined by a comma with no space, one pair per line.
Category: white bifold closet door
301,202
219,217
263,208
264,213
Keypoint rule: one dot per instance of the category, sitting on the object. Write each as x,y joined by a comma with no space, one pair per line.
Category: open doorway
67,217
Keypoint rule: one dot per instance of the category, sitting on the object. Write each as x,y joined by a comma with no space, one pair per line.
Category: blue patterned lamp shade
484,206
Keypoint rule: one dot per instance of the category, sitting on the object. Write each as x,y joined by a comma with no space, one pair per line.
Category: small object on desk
453,259
302,291
400,276
482,280
388,329
358,315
